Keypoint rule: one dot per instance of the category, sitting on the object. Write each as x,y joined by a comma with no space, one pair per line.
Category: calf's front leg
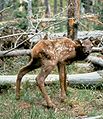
62,78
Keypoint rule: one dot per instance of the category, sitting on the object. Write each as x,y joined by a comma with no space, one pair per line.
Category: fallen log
15,53
97,49
98,61
88,34
93,78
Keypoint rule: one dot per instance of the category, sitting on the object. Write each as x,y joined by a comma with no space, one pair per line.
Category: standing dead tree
55,7
73,16
1,8
61,6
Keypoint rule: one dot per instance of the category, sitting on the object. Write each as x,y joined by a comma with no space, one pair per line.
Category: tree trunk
88,6
47,11
2,2
61,6
73,14
30,25
55,7
77,9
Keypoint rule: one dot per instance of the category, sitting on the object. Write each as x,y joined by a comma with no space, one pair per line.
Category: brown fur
50,53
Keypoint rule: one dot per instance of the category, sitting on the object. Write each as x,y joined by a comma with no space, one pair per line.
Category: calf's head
87,46
84,48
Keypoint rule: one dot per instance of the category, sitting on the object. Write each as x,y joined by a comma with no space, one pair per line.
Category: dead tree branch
7,8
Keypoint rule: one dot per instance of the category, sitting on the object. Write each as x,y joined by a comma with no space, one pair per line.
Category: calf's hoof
17,97
51,105
63,98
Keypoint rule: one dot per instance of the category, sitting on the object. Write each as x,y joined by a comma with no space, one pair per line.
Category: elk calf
50,53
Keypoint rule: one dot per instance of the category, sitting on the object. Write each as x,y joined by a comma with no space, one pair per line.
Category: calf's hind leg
21,73
40,80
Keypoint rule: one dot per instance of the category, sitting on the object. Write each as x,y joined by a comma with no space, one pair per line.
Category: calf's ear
78,43
45,37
